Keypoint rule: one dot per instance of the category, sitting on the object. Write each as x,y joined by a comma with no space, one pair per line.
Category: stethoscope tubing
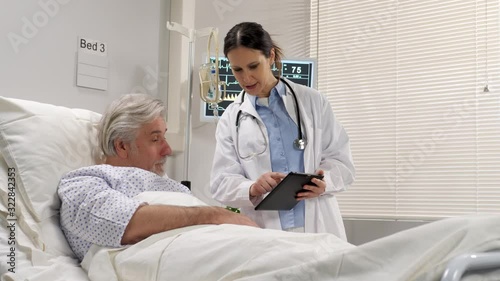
296,107
299,141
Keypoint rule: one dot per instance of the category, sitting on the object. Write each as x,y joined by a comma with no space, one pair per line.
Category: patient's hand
226,216
151,219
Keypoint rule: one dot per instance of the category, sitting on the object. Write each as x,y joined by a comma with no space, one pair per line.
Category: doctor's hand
313,190
265,183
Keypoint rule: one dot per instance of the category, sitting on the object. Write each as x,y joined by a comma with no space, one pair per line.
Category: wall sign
92,65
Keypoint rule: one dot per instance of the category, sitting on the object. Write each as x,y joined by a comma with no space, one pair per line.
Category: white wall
40,62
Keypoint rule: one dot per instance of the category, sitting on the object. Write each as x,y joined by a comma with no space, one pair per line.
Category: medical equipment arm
192,34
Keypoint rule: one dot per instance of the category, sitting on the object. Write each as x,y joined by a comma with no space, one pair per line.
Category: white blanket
230,252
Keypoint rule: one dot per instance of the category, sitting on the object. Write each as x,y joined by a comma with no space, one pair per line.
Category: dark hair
252,35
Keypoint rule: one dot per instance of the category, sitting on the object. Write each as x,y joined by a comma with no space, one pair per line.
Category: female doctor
275,127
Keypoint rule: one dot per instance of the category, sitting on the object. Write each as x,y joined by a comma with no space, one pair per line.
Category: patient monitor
299,70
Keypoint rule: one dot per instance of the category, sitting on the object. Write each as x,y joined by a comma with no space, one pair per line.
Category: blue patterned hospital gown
97,203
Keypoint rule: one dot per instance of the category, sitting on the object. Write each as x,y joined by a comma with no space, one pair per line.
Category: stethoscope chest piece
299,144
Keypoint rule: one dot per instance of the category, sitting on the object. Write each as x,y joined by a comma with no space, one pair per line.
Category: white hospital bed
40,142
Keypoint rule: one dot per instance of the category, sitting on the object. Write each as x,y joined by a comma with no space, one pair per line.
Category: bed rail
467,262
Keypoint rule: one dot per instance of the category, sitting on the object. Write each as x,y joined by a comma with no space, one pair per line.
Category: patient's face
151,148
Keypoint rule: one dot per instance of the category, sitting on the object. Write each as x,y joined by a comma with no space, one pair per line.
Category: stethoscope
299,143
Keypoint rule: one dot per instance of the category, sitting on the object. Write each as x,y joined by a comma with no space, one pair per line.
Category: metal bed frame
470,262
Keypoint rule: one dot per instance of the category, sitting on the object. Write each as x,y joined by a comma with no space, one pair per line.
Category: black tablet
282,197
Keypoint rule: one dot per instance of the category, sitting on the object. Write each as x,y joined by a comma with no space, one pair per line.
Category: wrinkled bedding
231,252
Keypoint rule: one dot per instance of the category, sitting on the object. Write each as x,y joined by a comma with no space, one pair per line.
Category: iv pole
191,34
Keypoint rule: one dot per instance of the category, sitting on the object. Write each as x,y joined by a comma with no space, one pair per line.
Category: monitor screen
301,71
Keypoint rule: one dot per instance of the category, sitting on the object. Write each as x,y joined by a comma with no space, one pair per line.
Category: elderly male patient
97,201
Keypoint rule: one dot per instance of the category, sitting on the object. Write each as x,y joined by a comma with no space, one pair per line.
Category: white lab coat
327,148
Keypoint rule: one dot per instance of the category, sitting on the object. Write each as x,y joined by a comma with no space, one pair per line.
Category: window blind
407,80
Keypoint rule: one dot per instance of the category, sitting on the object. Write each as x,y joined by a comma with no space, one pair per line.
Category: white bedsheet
229,252
32,264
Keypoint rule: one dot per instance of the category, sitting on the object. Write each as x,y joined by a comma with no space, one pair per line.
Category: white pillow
43,142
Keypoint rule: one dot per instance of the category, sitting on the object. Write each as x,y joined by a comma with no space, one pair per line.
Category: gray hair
124,117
